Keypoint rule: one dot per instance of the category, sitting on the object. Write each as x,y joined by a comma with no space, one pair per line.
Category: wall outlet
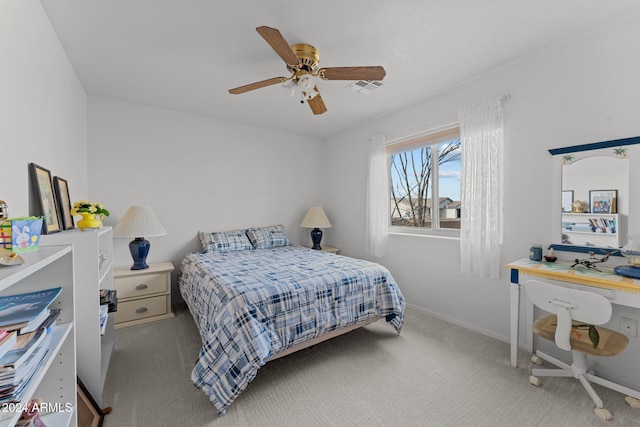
629,327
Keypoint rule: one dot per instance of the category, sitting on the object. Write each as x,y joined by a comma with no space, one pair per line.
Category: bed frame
321,338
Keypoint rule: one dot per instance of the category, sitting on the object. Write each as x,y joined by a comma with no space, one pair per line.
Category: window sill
440,234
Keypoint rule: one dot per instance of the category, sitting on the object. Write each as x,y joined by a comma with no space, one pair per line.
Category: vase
90,220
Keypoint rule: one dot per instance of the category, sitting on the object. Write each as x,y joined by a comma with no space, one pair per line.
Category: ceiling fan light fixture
306,83
291,89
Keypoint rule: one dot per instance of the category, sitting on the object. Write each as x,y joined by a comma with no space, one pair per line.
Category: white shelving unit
601,230
93,260
55,382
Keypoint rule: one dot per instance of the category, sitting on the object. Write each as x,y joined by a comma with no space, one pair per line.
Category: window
426,182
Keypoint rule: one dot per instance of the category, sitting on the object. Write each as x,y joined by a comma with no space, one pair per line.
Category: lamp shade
139,221
306,82
315,218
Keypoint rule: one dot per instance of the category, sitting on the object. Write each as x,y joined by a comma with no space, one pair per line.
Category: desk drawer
141,308
609,294
141,285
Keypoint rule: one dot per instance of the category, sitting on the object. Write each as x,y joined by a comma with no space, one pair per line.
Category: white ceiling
184,55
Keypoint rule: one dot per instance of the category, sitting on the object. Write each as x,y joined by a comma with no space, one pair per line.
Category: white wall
581,91
198,174
42,106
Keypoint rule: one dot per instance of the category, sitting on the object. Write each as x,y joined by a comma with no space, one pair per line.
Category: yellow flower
89,207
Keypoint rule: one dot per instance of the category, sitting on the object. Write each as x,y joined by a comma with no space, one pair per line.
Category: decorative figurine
578,206
591,262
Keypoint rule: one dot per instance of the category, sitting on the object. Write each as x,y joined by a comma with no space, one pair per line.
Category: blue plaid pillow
224,241
268,237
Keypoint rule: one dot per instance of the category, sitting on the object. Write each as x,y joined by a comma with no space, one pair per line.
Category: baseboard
474,328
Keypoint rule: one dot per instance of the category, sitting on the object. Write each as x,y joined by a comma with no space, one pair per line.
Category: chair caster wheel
602,413
533,380
537,360
632,401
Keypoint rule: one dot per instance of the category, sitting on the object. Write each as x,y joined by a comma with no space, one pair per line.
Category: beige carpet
433,374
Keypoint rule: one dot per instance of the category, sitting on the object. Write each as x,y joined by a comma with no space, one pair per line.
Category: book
13,377
15,309
20,352
14,389
7,342
104,316
109,297
34,324
51,321
102,258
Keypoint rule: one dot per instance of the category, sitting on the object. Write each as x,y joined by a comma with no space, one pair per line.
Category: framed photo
61,187
603,201
89,413
45,200
567,200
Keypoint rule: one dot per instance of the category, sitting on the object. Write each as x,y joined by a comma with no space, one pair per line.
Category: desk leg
528,345
515,316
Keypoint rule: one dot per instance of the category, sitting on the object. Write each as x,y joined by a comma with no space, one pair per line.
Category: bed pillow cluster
224,241
242,240
268,237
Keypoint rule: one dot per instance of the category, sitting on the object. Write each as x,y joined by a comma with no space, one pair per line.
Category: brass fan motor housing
309,57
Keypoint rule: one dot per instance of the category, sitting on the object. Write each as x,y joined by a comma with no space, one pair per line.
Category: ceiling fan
302,62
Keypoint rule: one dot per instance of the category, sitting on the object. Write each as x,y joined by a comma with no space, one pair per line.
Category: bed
255,302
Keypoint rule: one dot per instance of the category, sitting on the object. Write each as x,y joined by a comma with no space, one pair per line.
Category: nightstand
143,295
330,249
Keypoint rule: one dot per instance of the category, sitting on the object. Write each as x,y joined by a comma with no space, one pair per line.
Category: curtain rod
429,124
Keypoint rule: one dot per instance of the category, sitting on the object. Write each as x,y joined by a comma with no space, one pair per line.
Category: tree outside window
417,198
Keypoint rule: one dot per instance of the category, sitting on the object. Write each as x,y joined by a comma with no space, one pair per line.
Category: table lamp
316,219
139,221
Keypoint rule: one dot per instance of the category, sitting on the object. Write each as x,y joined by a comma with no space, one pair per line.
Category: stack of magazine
108,297
108,304
29,320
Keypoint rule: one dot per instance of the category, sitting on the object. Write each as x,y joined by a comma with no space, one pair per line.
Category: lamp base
139,248
316,237
627,271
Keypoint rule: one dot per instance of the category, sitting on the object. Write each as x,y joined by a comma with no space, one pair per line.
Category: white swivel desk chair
585,308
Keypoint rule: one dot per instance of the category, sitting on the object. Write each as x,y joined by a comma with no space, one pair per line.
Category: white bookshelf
595,229
93,260
55,381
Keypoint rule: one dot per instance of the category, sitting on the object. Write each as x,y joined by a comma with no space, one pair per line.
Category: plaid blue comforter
250,305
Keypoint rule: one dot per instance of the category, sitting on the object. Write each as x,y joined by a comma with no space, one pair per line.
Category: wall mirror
593,206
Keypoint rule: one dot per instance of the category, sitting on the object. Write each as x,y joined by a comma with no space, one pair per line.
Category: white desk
619,290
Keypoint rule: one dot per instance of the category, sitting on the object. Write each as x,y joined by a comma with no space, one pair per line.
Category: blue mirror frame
588,147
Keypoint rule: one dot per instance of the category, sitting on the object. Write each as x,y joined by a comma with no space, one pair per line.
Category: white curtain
481,132
377,218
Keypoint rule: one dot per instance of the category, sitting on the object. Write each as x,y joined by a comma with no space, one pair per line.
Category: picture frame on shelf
45,200
89,413
603,201
61,187
567,200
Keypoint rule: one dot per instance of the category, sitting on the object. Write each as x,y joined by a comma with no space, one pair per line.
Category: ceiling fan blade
317,104
257,85
352,73
279,44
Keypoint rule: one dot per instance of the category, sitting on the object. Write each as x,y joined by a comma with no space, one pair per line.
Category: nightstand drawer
139,286
141,309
